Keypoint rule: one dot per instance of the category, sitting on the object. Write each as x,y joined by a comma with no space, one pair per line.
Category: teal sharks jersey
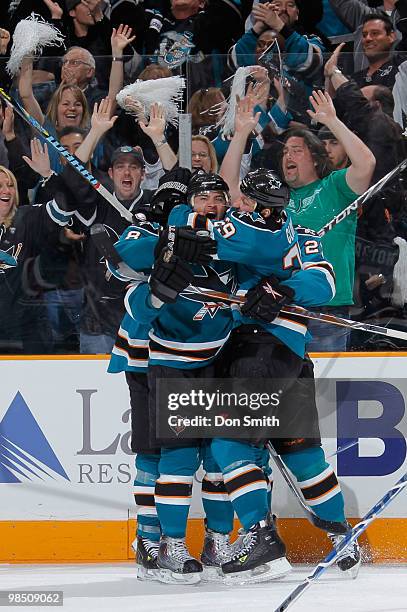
293,254
187,334
130,352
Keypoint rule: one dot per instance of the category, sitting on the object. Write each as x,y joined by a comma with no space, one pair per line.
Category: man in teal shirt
318,194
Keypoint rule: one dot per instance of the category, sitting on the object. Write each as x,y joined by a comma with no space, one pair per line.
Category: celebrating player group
189,241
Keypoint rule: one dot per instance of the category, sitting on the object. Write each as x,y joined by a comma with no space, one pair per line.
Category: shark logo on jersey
25,453
8,259
215,281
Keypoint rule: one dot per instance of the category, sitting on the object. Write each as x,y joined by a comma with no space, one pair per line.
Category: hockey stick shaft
71,159
348,539
362,198
342,449
312,517
307,314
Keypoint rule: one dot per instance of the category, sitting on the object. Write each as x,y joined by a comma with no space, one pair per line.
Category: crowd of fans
60,298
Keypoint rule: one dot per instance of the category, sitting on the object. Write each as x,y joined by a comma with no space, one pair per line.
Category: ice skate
146,558
259,558
217,550
176,566
349,560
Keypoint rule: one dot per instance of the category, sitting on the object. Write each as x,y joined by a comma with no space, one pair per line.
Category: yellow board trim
385,541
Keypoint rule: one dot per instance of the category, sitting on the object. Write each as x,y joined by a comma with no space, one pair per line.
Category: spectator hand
332,63
95,8
4,40
324,111
268,14
8,124
71,235
245,120
259,74
101,120
261,92
120,39
281,101
156,125
39,161
54,8
135,107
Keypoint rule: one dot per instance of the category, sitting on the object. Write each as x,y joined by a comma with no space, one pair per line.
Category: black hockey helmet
202,182
266,188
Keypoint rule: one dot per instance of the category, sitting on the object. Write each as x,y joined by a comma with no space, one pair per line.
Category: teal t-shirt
313,206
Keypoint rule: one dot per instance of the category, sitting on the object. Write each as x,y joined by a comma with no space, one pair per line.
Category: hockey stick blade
104,244
71,159
329,526
351,536
230,299
105,247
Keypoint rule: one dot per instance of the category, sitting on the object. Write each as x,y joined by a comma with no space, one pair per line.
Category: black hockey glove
193,246
169,277
265,301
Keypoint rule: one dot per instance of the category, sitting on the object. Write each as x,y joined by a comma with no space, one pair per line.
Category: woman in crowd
30,236
203,154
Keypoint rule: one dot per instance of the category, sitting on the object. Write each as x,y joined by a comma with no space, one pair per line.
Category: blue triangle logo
25,453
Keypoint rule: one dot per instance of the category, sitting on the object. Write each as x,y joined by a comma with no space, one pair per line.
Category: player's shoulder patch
248,218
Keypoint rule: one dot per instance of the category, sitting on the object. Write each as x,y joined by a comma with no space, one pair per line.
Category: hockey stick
351,536
71,159
105,246
228,298
362,198
330,526
343,448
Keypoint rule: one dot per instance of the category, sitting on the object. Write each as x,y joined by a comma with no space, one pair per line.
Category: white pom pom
238,89
399,296
166,91
30,37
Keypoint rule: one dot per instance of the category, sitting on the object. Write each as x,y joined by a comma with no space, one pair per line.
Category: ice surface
113,587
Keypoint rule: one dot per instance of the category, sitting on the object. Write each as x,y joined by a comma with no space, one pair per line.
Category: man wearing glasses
78,68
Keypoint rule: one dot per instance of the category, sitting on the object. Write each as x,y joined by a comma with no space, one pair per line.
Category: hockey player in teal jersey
306,279
130,355
294,336
267,243
219,513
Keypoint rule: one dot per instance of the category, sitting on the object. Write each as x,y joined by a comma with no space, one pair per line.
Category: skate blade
212,574
351,573
169,577
262,573
147,575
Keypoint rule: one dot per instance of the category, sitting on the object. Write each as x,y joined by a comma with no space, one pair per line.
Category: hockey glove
265,301
169,277
193,246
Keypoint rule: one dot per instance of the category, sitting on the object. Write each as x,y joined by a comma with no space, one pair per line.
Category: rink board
66,468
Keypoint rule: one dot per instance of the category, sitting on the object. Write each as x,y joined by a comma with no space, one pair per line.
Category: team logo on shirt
215,281
8,259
